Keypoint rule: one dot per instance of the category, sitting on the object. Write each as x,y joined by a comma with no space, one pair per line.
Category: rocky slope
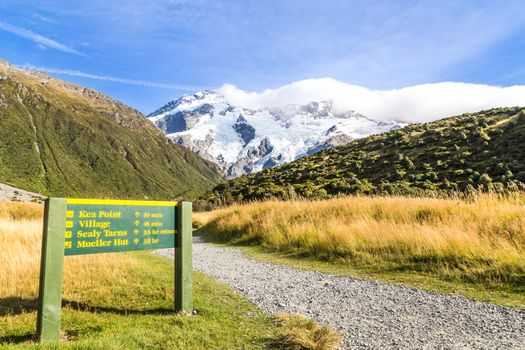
11,193
62,139
242,140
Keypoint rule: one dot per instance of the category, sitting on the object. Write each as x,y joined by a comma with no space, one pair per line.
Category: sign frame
52,260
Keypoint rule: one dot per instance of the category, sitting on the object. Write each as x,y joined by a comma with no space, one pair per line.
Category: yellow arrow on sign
137,222
136,232
137,214
136,241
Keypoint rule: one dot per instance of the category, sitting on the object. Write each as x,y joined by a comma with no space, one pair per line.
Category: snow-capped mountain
242,140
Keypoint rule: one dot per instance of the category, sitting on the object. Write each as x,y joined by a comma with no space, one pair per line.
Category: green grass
136,314
500,294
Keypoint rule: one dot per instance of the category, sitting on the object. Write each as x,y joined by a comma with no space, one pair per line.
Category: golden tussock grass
201,218
20,210
20,246
478,240
301,333
118,282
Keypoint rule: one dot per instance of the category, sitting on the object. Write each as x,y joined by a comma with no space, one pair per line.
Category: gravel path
370,315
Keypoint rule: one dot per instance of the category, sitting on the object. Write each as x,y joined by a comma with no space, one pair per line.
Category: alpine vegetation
482,151
62,139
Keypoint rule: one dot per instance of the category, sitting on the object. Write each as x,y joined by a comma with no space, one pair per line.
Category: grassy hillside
65,140
125,301
474,247
483,150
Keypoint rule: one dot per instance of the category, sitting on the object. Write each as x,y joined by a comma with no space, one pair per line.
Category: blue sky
146,53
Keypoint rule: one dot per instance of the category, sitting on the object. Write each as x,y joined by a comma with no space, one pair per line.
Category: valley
417,218
249,175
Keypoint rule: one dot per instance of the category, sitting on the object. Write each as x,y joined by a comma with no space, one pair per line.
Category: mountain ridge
242,140
62,139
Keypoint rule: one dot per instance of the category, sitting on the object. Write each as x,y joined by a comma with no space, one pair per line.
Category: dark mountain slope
481,150
65,140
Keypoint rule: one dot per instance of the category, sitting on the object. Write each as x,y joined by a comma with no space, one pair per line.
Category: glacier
242,140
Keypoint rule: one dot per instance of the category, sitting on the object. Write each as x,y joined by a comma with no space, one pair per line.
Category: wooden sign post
86,226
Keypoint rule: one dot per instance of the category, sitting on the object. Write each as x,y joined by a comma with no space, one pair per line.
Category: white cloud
37,38
418,103
74,73
42,18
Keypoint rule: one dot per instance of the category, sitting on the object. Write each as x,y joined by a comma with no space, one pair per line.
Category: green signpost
87,226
